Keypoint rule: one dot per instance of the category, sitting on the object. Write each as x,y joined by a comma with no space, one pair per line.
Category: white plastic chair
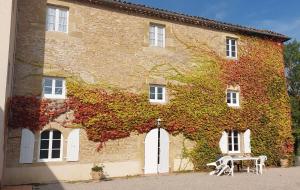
222,166
214,164
261,163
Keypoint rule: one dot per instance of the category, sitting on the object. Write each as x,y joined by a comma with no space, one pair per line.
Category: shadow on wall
1,146
297,150
23,152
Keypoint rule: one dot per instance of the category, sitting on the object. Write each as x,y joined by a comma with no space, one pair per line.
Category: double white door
157,152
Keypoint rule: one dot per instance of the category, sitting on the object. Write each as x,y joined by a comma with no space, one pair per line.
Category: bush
97,168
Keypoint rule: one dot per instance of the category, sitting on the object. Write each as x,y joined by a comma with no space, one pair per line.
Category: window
54,88
51,146
57,19
233,98
157,35
157,93
231,48
233,142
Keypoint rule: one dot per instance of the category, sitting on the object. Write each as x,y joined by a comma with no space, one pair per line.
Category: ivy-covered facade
96,82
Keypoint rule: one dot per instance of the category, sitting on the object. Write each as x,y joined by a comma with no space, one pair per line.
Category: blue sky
281,16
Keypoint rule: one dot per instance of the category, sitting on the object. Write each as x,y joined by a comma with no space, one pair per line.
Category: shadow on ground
272,179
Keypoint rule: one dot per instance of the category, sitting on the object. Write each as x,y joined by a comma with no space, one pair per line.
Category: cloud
217,11
256,14
220,15
289,27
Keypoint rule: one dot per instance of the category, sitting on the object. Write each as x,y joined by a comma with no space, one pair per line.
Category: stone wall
102,46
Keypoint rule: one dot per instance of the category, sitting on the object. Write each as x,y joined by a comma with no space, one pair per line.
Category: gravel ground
272,179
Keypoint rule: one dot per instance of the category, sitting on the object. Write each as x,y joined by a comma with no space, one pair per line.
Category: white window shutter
73,146
247,145
27,146
224,143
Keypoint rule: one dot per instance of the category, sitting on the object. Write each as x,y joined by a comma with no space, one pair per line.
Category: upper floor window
50,146
54,88
157,35
231,48
57,19
233,142
233,98
157,93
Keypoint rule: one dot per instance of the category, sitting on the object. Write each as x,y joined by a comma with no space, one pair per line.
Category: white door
157,152
163,166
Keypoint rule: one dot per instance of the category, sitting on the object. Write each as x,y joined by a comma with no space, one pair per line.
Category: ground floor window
50,146
233,141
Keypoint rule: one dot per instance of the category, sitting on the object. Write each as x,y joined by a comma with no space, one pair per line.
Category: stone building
112,44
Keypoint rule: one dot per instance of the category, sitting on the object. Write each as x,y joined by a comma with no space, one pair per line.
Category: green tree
292,68
292,65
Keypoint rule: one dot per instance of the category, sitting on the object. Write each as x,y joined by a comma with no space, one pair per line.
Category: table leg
256,167
232,169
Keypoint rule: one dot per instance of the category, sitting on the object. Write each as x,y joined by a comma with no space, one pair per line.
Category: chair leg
230,172
222,170
212,172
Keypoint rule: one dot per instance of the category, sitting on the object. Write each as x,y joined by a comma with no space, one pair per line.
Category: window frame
156,100
49,159
231,104
230,48
156,44
53,95
56,20
232,142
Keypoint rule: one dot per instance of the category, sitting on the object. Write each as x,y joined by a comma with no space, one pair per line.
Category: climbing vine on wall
34,113
197,108
109,116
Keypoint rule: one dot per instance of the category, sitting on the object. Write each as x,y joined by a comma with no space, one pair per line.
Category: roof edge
184,18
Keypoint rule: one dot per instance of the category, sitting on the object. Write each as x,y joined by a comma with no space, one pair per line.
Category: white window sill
233,105
157,47
50,160
54,97
157,101
231,58
234,152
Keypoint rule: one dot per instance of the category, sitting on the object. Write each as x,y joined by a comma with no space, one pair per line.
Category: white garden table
245,158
